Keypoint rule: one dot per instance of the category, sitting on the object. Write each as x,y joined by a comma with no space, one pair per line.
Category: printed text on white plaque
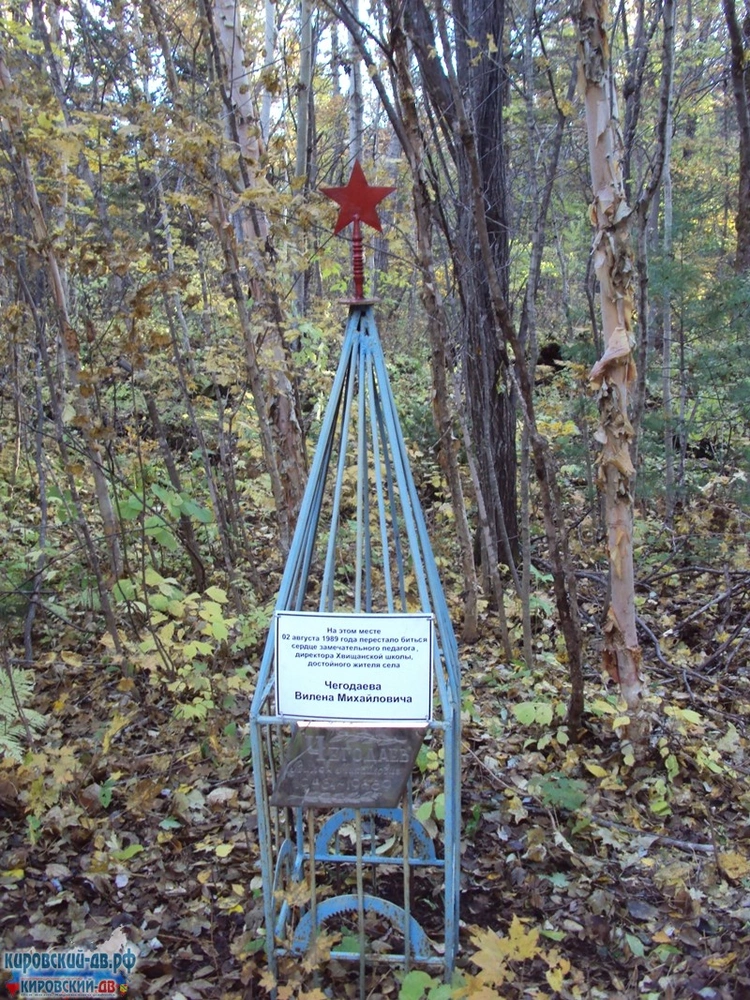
352,667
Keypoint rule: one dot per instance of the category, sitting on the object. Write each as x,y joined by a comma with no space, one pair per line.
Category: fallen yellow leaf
520,944
596,769
490,957
734,864
720,962
555,978
118,723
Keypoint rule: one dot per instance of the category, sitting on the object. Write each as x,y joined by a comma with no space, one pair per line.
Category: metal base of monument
370,851
347,767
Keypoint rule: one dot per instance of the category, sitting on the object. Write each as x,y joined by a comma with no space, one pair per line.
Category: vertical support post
406,856
313,884
360,904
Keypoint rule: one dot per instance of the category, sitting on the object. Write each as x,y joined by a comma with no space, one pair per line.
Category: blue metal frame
361,431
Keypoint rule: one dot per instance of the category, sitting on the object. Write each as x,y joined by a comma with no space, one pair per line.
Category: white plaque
354,668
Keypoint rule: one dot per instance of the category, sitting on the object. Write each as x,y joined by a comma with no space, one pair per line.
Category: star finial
358,200
357,203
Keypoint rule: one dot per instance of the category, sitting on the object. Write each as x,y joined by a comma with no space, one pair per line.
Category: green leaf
525,712
561,792
217,594
636,945
219,631
250,947
170,823
128,852
552,935
171,501
530,712
192,509
440,806
424,812
131,508
442,992
105,793
348,943
415,985
124,590
690,716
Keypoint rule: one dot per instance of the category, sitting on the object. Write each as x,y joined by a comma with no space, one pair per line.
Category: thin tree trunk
613,375
269,22
185,530
356,99
528,330
40,460
646,204
740,70
433,304
302,161
666,364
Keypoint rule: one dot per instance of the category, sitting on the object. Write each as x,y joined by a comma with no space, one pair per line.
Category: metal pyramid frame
361,546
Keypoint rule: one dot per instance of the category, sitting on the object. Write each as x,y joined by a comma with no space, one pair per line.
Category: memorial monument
355,720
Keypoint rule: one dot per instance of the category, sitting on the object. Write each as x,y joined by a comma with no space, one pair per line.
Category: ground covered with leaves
588,871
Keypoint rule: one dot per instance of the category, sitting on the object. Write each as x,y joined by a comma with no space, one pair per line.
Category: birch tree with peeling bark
613,376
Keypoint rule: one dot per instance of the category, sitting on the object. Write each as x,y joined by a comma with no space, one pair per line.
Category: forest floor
585,873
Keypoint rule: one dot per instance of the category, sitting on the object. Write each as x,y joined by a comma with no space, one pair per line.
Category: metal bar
282,601
268,719
375,436
406,847
389,476
453,846
360,904
361,477
326,593
372,854
316,503
366,511
264,838
403,477
313,886
376,859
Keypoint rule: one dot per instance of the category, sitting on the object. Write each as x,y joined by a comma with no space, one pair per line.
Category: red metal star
357,200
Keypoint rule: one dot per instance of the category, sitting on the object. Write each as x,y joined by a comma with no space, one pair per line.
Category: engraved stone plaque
357,767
